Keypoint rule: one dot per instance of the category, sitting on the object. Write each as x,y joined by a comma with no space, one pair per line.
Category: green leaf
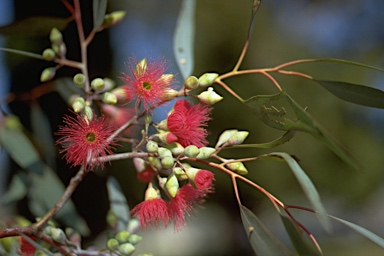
307,186
118,203
183,40
339,61
45,191
300,241
355,93
99,9
17,190
66,89
262,240
34,26
362,231
283,139
17,144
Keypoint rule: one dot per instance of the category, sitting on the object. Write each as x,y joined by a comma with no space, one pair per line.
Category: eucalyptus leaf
307,186
17,190
66,88
255,8
118,203
99,9
262,240
354,93
34,26
183,41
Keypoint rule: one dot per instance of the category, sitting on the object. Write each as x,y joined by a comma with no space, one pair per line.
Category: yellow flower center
147,85
91,137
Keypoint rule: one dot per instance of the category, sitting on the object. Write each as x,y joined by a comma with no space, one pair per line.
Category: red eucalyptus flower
186,122
84,141
148,83
118,116
203,180
26,249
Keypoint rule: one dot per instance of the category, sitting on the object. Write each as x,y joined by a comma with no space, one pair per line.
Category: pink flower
84,141
26,249
151,213
148,82
186,122
119,116
203,180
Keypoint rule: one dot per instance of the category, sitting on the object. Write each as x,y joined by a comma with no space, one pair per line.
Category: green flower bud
109,84
209,97
112,219
151,192
152,146
47,230
163,152
176,148
224,137
78,105
113,18
166,78
49,54
141,67
237,138
191,82
88,113
122,236
133,225
163,125
97,84
191,172
120,93
238,167
205,152
112,244
155,162
126,249
166,137
55,36
170,94
134,239
172,185
207,79
167,162
58,235
79,80
109,98
47,74
139,164
180,174
191,151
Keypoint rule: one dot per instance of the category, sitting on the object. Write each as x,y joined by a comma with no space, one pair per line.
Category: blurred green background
284,31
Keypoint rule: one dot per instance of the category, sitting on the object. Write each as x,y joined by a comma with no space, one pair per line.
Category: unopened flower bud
49,54
191,82
155,162
139,164
191,151
172,185
152,146
205,152
151,192
78,105
238,138
109,84
163,152
97,84
169,94
224,137
126,249
111,219
122,236
57,235
141,67
176,148
207,79
113,18
166,78
55,36
163,125
112,244
167,162
133,225
88,113
209,97
79,80
238,167
120,93
134,239
167,137
180,174
109,98
191,172
47,74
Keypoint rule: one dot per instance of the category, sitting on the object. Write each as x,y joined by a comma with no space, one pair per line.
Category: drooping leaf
299,240
99,9
17,190
118,203
34,26
43,134
355,93
183,40
262,240
45,191
346,62
307,186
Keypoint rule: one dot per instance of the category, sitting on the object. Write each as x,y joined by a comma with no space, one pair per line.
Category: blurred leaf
43,134
99,9
183,41
347,62
34,26
45,191
299,240
17,144
362,231
355,93
66,89
307,186
118,203
283,139
17,189
262,240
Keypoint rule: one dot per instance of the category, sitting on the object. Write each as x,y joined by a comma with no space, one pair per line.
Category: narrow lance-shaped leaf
262,240
354,93
184,38
118,203
34,26
255,7
99,9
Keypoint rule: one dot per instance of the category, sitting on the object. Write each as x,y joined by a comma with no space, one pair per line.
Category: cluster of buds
209,96
123,243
